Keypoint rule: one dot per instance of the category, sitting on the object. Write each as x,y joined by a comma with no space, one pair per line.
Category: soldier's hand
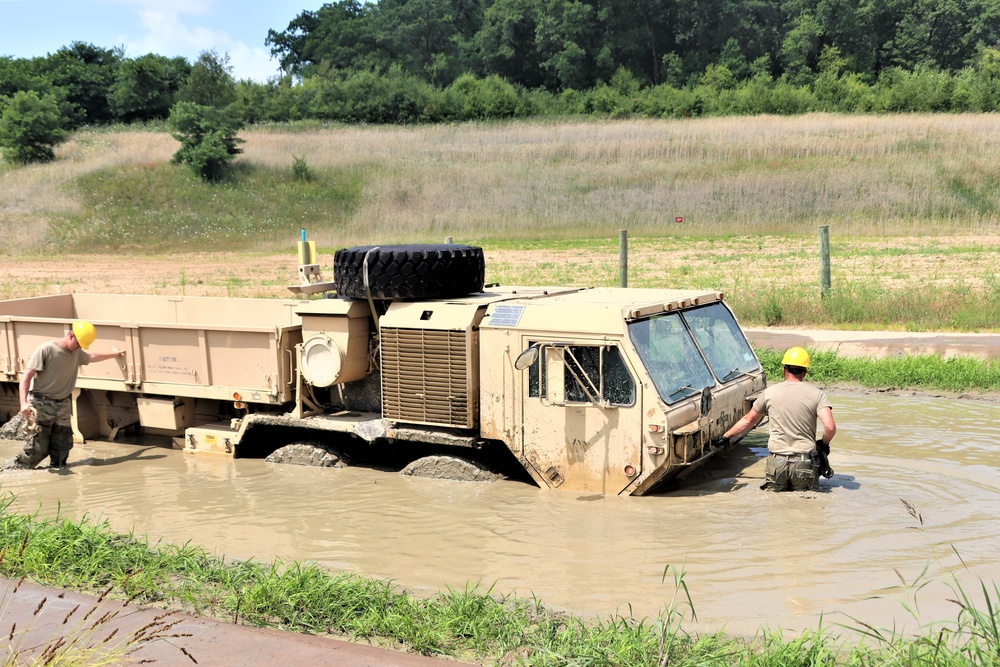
722,441
822,446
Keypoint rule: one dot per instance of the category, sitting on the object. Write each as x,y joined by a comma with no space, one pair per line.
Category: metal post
623,257
824,260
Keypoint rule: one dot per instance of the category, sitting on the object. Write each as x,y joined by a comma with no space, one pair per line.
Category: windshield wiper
686,387
734,373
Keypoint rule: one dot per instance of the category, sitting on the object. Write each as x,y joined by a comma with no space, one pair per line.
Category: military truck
603,390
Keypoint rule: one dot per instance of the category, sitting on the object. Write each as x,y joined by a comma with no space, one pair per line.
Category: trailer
604,390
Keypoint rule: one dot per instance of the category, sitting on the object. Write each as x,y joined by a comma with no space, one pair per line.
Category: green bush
471,98
30,127
208,138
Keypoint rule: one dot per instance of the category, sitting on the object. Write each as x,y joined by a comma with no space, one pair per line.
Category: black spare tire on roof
415,271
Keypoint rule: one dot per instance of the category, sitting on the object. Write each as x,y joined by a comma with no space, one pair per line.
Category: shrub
208,138
30,127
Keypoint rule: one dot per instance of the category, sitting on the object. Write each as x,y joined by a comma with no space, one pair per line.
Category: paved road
879,343
210,642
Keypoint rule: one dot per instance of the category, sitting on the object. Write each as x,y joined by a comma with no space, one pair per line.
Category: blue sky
167,27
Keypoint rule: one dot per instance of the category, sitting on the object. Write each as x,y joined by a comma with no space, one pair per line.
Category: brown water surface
750,558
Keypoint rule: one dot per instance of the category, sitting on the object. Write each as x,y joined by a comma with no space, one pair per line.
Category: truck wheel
450,467
310,454
427,271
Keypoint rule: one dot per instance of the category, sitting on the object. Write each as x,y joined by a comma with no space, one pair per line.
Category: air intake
428,377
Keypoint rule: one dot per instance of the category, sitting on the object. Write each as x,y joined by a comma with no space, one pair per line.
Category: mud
749,558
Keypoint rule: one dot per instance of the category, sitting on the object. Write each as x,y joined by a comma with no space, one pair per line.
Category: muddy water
750,558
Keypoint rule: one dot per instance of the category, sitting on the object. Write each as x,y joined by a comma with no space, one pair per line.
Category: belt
791,457
43,397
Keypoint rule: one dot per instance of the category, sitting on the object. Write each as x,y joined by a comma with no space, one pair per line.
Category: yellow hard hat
84,333
795,356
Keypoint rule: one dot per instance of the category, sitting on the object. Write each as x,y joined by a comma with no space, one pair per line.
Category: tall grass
886,175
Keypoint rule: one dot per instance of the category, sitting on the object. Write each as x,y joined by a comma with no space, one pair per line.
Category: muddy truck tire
450,467
309,454
418,271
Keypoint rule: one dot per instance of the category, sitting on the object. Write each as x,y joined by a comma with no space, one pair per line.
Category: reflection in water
751,558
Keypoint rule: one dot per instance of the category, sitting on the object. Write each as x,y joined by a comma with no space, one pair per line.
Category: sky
169,28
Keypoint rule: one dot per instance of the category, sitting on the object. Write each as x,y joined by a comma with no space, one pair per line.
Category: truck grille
426,377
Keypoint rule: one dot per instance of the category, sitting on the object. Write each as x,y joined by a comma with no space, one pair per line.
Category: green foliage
30,127
956,374
210,82
208,138
470,98
145,88
301,170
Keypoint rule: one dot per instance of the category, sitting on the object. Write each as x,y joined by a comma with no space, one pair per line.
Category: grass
911,202
469,624
954,374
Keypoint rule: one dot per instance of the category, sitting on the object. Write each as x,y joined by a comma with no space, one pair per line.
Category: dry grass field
911,201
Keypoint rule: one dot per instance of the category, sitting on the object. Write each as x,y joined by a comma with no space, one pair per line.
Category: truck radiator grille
426,377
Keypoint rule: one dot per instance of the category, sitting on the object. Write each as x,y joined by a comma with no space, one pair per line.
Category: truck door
582,417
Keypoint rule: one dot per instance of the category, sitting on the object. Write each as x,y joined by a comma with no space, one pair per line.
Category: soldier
793,407
45,392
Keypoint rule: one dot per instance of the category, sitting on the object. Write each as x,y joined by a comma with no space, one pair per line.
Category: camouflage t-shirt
55,369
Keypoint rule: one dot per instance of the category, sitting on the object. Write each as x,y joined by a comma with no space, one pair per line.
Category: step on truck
602,390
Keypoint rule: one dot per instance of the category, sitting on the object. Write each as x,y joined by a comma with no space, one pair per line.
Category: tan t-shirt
793,408
55,369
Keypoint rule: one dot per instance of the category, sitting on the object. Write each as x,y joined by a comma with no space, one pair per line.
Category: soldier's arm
23,390
829,426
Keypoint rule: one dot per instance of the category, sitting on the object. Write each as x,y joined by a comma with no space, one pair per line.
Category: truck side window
587,368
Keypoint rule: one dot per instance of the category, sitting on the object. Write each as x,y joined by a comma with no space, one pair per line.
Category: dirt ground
725,264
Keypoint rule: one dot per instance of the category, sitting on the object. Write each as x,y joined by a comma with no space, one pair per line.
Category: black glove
822,447
722,441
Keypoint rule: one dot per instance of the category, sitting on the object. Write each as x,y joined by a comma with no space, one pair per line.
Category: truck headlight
321,361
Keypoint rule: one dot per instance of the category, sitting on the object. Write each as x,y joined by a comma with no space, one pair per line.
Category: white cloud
173,29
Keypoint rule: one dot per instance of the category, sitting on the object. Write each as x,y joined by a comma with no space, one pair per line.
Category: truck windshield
720,338
671,357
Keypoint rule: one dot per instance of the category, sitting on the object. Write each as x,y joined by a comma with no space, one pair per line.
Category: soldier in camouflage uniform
45,391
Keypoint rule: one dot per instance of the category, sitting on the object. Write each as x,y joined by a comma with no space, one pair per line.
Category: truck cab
613,391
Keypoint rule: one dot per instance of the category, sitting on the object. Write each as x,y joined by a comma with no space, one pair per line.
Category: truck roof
595,310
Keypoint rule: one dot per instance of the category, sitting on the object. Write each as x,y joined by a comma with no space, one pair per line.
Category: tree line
407,61
576,44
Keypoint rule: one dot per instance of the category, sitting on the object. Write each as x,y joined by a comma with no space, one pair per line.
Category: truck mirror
526,358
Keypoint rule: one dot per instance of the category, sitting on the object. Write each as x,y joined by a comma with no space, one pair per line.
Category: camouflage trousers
795,473
53,433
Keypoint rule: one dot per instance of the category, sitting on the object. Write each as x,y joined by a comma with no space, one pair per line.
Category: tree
208,138
210,82
30,127
505,44
86,72
145,87
339,34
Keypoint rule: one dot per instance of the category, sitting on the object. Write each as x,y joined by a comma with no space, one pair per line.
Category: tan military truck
604,390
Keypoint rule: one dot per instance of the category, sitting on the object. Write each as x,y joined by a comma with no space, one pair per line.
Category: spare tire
417,271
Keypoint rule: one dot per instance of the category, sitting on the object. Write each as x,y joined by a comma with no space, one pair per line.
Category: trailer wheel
418,271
